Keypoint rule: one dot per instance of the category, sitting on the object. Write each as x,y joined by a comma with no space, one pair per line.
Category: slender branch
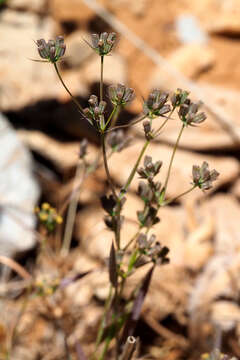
103,321
127,125
172,157
66,88
177,197
113,113
131,176
106,166
101,79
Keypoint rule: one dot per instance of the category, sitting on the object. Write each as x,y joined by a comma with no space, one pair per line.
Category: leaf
69,280
137,307
113,276
80,353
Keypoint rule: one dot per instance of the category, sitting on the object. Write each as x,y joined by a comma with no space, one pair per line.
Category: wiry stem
101,79
106,166
66,88
172,157
177,197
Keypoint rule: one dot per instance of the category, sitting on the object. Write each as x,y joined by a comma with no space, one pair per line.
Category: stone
24,81
189,59
226,23
189,31
30,5
222,268
71,10
19,193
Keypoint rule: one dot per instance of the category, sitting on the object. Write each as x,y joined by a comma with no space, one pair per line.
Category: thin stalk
131,176
103,321
156,133
132,240
101,79
113,113
172,157
127,125
105,349
72,210
177,197
68,91
115,117
106,166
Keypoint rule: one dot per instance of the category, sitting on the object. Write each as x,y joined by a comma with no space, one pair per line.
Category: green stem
177,197
113,113
115,117
172,157
105,349
127,125
101,79
103,321
68,91
131,176
106,166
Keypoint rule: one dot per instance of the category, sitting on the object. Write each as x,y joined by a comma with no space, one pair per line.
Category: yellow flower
45,206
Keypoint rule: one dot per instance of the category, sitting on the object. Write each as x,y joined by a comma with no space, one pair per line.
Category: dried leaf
113,267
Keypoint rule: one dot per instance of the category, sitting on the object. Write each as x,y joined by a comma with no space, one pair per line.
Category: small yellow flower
45,206
43,216
59,219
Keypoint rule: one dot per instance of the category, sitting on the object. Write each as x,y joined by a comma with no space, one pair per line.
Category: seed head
203,177
155,105
120,94
52,50
103,43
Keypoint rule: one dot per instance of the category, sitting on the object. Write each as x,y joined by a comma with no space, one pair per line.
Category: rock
190,60
226,23
30,5
222,269
19,194
189,30
71,10
122,163
22,80
92,231
77,50
115,70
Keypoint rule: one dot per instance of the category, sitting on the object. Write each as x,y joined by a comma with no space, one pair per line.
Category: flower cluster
95,112
120,94
178,97
156,105
150,192
48,216
112,207
152,249
203,177
103,43
52,50
188,113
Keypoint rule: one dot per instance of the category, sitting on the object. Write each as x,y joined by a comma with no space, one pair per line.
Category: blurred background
193,304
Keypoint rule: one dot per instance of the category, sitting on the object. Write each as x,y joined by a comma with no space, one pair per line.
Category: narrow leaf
137,307
80,353
69,280
113,267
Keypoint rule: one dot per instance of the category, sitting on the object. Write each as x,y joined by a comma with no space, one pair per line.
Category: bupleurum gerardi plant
121,314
